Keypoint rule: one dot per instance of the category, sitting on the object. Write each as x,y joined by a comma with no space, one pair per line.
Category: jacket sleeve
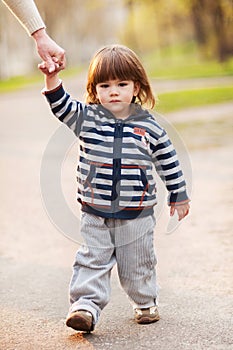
66,109
27,14
168,168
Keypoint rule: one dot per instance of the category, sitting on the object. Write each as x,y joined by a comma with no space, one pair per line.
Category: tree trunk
222,29
199,23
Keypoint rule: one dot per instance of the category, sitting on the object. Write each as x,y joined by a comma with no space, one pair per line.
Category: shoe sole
79,323
147,320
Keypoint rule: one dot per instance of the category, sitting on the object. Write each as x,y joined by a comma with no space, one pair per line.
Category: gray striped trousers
129,243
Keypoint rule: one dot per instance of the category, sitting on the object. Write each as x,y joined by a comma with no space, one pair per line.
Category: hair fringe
118,62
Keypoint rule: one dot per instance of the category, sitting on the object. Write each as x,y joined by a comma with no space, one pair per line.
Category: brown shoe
80,320
145,316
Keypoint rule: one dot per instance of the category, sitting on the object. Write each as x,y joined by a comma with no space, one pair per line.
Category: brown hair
118,62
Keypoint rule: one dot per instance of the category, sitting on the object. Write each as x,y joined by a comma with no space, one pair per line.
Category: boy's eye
123,84
107,85
104,86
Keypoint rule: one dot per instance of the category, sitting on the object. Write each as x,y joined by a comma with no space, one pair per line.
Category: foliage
160,23
213,26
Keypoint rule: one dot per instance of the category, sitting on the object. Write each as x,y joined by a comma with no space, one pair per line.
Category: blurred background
175,39
195,35
186,47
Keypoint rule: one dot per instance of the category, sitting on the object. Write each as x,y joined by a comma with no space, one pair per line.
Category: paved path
195,261
164,85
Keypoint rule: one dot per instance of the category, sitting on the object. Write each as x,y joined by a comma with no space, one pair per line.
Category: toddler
121,147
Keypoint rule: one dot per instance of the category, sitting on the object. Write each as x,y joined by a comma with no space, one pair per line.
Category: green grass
184,61
23,81
18,82
172,101
179,62
192,70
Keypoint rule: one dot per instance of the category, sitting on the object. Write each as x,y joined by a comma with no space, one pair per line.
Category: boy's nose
113,91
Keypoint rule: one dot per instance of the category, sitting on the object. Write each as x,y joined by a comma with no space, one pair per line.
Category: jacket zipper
117,151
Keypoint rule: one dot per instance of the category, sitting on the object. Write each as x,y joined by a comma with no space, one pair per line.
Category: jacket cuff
178,198
54,94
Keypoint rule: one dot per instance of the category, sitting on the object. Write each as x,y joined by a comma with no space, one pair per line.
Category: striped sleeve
66,109
168,168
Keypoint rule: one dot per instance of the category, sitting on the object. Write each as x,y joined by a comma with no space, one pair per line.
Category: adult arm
28,15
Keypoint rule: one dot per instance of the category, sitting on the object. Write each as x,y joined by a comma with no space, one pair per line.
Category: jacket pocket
145,185
88,181
135,185
97,184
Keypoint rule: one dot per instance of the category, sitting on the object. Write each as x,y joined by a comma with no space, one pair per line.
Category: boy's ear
136,88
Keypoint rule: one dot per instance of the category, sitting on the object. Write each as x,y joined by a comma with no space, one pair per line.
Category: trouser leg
90,283
136,261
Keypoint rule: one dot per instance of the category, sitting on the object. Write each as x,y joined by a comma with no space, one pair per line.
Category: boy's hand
44,68
182,210
52,80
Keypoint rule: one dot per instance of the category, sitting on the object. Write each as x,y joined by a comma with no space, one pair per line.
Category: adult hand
51,53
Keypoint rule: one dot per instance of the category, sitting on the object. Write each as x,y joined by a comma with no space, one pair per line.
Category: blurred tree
213,25
196,8
155,24
161,23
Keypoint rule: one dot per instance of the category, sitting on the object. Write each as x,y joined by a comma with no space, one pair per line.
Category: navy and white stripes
118,158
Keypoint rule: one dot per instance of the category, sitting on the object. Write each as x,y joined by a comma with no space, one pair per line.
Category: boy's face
116,96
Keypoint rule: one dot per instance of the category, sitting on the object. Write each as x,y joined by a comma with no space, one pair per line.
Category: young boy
121,145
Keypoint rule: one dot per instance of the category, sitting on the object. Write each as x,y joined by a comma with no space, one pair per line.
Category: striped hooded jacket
118,158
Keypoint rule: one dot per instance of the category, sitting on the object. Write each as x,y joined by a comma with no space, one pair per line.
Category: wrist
45,92
52,83
38,34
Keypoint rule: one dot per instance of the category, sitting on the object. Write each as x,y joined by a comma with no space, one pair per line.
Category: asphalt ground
195,261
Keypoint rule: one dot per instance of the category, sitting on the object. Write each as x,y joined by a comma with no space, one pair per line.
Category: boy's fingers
50,64
183,213
51,68
41,65
172,211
